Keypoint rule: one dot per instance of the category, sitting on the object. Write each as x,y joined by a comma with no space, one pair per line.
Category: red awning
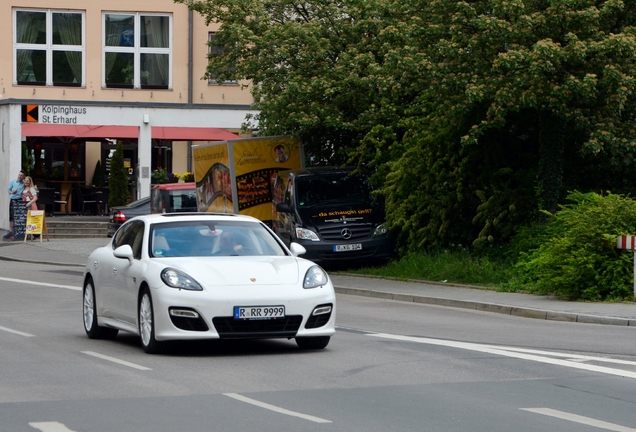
125,132
192,134
78,131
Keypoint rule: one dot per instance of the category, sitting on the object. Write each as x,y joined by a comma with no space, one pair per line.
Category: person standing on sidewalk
15,194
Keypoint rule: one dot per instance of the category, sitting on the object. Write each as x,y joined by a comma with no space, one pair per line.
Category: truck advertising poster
236,176
212,177
257,161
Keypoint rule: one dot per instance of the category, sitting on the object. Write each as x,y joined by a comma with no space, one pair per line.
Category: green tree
98,175
473,114
538,92
323,71
118,180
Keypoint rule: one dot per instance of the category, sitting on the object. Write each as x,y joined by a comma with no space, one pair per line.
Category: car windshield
212,238
319,189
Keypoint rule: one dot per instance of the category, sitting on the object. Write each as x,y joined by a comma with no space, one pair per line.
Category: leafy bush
577,259
118,182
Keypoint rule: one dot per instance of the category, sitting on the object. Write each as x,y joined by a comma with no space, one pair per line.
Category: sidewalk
73,252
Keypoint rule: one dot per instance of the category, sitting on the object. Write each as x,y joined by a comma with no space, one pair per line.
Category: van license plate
347,247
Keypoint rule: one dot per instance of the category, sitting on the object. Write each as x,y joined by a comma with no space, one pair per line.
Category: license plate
258,312
347,247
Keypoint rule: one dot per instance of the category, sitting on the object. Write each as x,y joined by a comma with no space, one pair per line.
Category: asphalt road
392,366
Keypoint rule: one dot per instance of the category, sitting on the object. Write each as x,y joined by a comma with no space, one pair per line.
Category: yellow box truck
236,176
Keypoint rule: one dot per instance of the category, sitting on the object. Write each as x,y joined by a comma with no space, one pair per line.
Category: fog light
321,310
185,313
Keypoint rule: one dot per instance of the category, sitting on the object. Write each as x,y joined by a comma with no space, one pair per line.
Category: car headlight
306,234
380,230
176,279
315,277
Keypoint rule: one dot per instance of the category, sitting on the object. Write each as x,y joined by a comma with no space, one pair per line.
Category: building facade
81,76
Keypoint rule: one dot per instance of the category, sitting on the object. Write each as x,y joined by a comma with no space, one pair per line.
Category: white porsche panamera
205,276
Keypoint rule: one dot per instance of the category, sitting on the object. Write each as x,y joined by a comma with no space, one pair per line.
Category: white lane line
502,352
579,419
571,357
50,427
28,282
8,330
116,360
276,409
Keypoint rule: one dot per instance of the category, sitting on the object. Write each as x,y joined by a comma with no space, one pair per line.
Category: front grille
191,324
230,328
334,233
317,321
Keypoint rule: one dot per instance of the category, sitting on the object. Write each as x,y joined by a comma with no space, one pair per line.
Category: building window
49,47
214,50
137,51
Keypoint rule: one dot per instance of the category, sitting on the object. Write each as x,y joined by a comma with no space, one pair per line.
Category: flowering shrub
159,176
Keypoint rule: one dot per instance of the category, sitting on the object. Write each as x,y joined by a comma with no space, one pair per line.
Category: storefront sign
60,114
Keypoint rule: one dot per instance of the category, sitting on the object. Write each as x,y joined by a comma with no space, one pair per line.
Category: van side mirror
283,208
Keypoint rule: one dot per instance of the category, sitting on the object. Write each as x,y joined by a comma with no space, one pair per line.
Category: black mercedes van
332,213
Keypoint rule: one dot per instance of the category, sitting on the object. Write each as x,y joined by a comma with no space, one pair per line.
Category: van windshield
321,189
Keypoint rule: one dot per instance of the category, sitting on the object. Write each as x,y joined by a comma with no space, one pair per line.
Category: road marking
570,357
115,360
28,282
276,409
50,427
508,352
579,419
8,330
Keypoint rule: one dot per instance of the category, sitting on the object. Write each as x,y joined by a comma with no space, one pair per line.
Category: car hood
240,270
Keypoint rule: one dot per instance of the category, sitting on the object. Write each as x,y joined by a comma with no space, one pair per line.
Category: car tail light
119,217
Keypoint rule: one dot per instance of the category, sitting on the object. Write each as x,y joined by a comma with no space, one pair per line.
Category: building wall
190,101
201,93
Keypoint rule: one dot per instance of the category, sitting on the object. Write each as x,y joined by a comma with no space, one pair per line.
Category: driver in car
229,245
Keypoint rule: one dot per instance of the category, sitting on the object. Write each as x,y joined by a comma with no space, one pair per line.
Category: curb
490,307
4,258
444,302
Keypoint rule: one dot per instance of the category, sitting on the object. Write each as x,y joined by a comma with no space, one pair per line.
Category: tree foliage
118,179
473,114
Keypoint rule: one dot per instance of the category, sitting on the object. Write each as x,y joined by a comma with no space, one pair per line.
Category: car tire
312,343
93,330
146,320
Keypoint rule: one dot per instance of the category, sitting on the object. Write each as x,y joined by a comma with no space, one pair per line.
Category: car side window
120,236
131,234
135,238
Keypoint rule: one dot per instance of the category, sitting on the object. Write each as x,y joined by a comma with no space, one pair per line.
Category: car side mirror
124,252
283,208
297,249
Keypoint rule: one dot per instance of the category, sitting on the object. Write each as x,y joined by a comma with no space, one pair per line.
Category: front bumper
374,249
215,313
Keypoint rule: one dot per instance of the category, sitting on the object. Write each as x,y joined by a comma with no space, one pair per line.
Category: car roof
189,217
176,186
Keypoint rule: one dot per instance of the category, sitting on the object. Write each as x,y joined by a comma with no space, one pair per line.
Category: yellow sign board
36,224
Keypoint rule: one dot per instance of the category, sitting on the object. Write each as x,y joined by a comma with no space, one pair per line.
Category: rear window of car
209,238
183,201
